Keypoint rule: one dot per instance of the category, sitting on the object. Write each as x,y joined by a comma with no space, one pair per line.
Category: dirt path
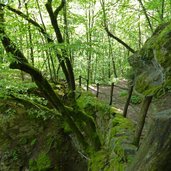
119,97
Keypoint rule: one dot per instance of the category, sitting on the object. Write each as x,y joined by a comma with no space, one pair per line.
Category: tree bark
155,152
67,66
162,9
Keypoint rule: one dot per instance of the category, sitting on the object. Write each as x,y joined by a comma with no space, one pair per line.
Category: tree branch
44,33
119,40
27,18
59,8
102,2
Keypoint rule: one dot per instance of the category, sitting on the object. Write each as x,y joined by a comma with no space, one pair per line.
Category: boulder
152,64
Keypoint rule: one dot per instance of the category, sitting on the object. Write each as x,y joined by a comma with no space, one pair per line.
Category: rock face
30,142
152,73
155,152
152,64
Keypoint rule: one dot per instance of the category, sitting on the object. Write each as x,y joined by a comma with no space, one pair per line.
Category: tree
71,115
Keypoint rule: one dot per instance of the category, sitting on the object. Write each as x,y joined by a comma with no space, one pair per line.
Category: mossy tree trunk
155,152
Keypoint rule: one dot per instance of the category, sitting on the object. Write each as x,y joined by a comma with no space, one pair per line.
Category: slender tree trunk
90,24
114,67
162,9
112,58
50,60
66,32
64,60
146,15
41,17
139,32
30,38
95,68
51,63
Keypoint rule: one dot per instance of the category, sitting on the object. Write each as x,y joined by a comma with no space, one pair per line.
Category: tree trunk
155,152
64,59
146,15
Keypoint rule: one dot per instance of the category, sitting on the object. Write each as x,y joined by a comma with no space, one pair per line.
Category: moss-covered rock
152,64
114,131
29,141
117,150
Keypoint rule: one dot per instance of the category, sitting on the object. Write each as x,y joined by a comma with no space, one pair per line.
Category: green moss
141,83
41,163
158,49
113,156
90,105
98,161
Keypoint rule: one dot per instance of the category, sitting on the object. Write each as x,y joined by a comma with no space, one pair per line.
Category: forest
85,85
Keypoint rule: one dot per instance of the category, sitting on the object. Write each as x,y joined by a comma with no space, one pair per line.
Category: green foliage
66,127
98,161
11,83
33,142
11,154
123,93
41,163
24,91
135,99
39,113
7,114
89,103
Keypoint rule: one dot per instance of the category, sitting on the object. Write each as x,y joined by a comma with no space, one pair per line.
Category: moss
41,163
114,156
158,49
141,83
89,103
98,161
